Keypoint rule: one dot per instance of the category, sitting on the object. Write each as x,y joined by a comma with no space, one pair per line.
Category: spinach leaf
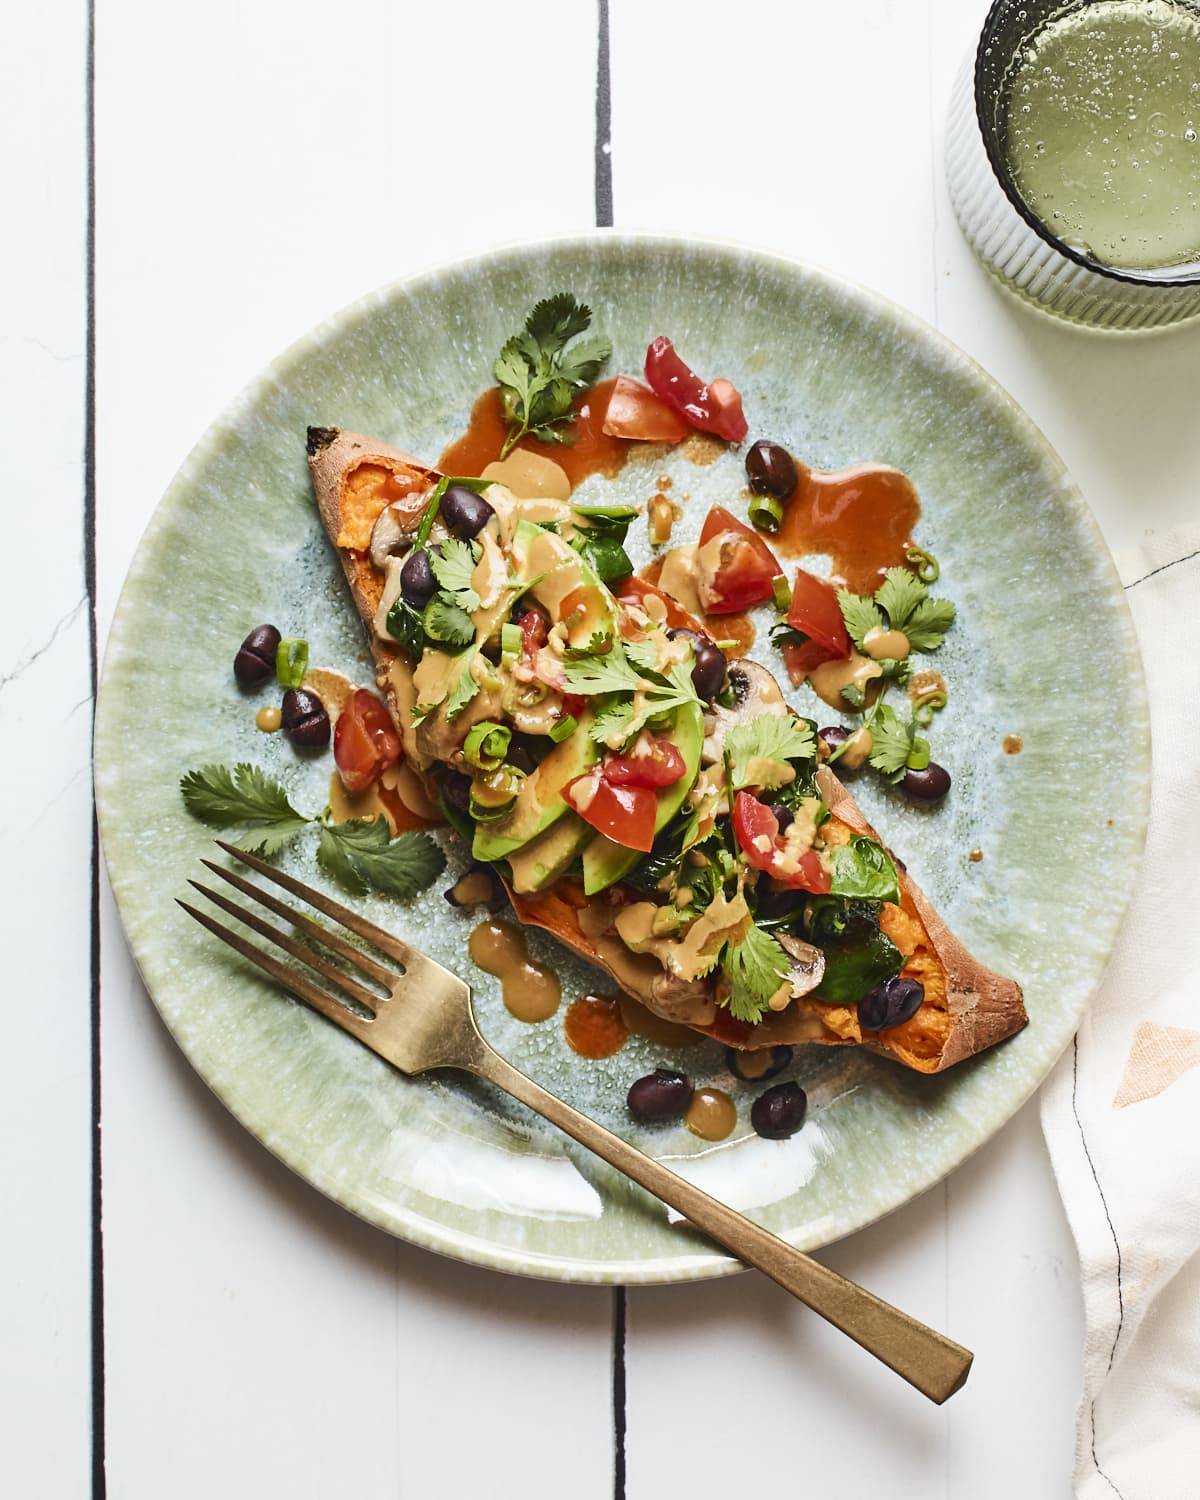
606,556
851,969
862,870
405,625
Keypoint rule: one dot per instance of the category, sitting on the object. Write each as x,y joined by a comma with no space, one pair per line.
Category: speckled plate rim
418,1229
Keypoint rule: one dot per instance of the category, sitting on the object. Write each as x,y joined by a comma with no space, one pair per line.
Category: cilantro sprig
901,602
453,566
904,599
759,752
635,689
359,853
223,798
538,375
756,967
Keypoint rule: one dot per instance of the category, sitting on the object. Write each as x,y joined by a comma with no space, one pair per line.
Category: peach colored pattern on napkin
1159,1055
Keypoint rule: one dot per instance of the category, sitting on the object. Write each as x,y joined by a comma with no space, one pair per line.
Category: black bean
305,719
417,583
456,791
779,1112
708,673
661,1095
708,669
776,1060
784,816
777,901
464,512
930,784
771,470
892,1002
834,736
254,663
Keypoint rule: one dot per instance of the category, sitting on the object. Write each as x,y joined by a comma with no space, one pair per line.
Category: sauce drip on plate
862,518
711,1115
591,452
594,1026
531,992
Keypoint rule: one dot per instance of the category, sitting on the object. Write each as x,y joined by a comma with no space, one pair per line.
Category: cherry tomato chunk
714,407
634,411
735,569
365,741
816,613
757,831
650,762
625,814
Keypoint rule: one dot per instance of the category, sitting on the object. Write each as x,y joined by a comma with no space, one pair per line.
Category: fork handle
928,1360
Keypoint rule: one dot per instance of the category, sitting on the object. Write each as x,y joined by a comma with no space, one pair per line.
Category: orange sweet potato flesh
967,1007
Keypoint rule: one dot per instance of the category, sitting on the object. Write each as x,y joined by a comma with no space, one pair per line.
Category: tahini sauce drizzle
711,1115
531,992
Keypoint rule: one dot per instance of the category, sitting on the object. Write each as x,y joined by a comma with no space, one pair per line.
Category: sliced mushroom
806,964
391,592
388,538
688,1001
755,692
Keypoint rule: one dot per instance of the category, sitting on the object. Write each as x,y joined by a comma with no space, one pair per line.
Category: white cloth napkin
1121,1112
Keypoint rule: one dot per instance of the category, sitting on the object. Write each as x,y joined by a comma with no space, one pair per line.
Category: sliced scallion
766,512
291,662
487,745
923,563
563,729
782,591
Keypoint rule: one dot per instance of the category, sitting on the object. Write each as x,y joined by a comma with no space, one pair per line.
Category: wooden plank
45,1097
272,166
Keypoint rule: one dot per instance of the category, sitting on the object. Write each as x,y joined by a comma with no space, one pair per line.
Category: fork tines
349,991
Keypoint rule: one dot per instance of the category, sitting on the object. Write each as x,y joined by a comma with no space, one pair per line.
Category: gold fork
423,1019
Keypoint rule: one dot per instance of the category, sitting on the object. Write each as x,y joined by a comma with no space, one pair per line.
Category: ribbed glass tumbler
1058,270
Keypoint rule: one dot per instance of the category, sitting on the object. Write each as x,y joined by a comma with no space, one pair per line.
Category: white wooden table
221,1329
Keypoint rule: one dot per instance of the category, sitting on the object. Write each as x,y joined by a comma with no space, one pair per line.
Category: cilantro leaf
584,362
643,654
611,673
222,798
759,751
360,855
447,623
454,570
465,686
756,968
556,320
538,375
899,594
927,625
891,741
860,614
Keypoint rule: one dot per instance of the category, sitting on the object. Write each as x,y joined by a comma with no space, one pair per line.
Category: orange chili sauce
593,451
862,518
594,1026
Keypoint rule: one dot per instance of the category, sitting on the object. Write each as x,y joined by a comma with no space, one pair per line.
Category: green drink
1100,130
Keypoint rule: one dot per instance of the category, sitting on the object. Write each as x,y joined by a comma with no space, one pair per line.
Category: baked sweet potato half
687,842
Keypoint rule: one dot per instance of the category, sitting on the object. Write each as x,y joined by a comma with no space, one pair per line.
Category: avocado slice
561,572
540,802
543,859
605,861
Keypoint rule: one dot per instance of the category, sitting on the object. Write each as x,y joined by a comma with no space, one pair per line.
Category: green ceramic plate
836,374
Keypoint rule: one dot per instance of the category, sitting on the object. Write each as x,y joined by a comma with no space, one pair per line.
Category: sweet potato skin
968,1006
